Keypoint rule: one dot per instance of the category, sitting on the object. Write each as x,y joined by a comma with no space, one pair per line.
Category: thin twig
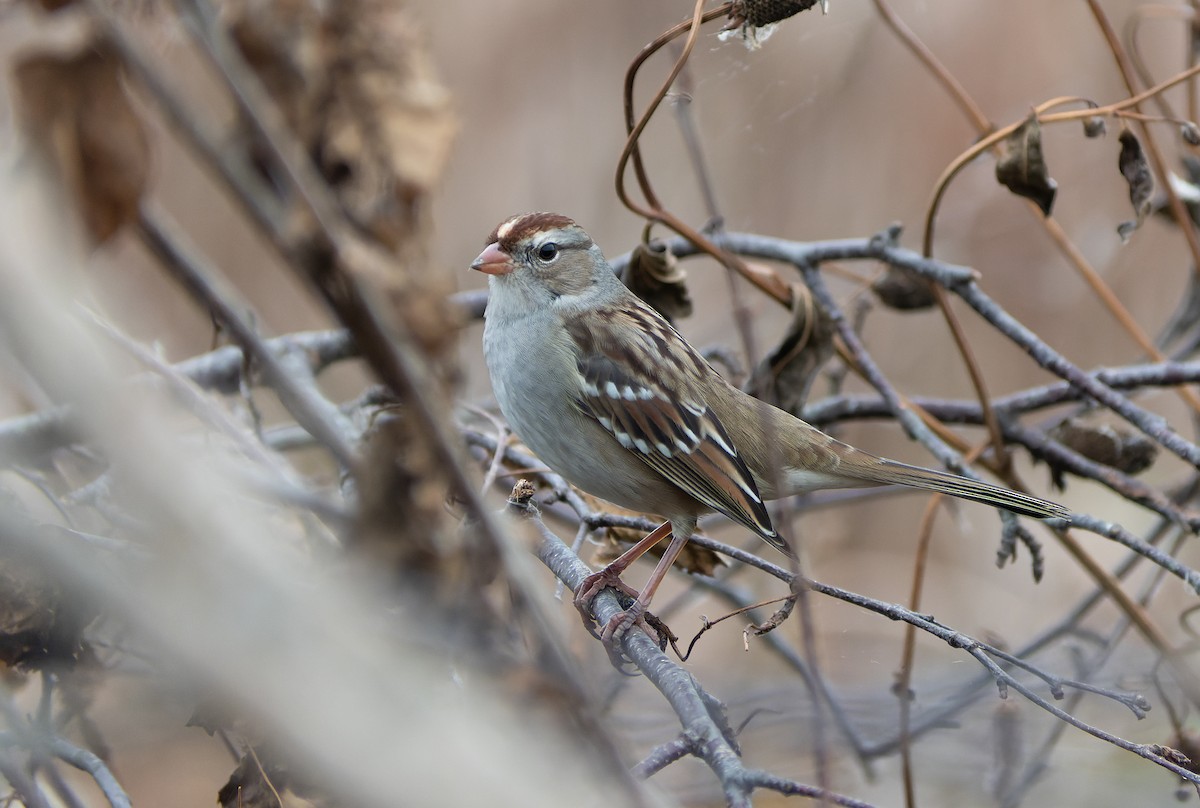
216,295
677,686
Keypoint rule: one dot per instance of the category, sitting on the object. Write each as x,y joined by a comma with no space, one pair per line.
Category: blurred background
832,129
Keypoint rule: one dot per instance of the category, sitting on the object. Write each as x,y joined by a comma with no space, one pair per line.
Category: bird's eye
548,251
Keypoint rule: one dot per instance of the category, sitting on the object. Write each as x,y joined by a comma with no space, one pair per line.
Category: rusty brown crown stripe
512,231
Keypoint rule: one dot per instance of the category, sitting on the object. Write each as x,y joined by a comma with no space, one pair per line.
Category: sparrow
611,397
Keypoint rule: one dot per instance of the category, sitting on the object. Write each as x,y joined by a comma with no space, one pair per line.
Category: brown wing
674,432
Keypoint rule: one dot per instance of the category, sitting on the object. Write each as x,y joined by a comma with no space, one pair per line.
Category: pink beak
493,261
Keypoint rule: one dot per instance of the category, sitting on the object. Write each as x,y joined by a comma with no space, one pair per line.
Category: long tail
890,471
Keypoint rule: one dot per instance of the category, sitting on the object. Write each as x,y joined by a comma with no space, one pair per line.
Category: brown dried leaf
357,88
773,622
786,374
73,109
654,275
758,13
1136,170
262,781
693,558
1184,749
1170,753
1128,452
1022,166
903,290
616,540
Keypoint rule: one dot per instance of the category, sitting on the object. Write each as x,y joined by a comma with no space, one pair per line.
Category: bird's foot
615,630
591,586
634,614
620,623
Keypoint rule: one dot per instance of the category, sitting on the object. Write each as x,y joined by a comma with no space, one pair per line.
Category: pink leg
621,622
611,575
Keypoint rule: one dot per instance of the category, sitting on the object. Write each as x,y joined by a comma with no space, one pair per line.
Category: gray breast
537,398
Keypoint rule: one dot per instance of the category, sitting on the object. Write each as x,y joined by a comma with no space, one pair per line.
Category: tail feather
890,471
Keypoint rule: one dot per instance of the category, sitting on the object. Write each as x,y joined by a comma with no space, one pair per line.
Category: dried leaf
758,13
1094,127
903,290
616,540
1174,755
693,558
1136,170
1185,745
771,623
1128,452
262,781
1022,166
786,374
370,110
357,89
73,109
656,277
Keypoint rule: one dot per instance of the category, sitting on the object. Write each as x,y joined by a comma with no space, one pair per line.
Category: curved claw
592,586
621,622
635,614
616,628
